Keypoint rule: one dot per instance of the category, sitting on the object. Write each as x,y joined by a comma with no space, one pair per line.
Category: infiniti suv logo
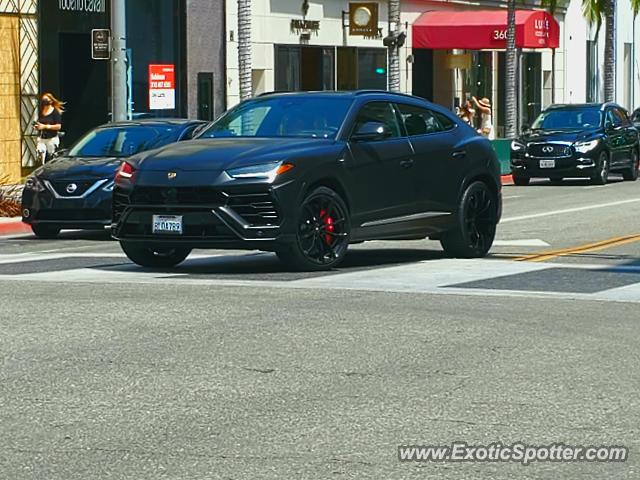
72,187
547,149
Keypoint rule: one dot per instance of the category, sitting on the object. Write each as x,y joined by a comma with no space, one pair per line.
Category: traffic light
395,39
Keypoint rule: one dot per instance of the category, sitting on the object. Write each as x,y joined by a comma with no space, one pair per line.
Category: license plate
167,224
547,164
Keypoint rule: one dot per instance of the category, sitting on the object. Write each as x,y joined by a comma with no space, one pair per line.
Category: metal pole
118,61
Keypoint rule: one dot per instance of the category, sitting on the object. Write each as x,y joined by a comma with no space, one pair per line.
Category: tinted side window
613,120
419,121
446,122
379,112
624,120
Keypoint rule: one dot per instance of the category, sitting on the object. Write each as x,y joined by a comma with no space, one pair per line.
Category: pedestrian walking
467,113
48,125
486,119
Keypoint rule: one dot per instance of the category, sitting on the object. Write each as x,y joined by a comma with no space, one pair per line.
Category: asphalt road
230,367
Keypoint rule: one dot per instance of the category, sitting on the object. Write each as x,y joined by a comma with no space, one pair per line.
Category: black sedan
587,140
74,190
306,174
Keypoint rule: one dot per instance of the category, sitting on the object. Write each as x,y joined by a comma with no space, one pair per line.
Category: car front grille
202,196
543,150
81,187
255,208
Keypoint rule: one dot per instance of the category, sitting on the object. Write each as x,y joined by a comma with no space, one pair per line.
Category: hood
559,135
79,167
218,154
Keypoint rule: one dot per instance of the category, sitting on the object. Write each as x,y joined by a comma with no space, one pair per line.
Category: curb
506,179
13,226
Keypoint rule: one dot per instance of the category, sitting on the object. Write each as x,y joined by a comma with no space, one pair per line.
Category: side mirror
525,128
371,131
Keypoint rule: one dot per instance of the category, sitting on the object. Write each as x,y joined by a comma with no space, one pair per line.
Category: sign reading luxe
89,6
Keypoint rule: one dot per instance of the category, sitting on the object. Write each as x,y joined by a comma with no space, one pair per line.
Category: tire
601,176
556,180
154,257
521,181
631,174
322,235
477,221
45,231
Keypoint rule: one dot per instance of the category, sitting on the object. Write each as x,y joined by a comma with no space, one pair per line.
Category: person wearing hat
486,120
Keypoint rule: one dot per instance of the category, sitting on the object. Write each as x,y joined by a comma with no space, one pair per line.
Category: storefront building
458,51
300,45
45,46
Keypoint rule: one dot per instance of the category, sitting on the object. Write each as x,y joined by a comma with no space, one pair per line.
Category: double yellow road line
589,247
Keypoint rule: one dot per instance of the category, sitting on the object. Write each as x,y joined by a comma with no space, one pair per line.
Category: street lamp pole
118,61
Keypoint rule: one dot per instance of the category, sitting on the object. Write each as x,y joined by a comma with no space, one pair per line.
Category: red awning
484,29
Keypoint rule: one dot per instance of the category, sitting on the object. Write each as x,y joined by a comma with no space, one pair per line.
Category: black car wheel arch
601,173
476,223
322,232
631,174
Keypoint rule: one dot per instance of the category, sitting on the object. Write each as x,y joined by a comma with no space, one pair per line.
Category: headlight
265,170
584,147
109,186
33,184
517,146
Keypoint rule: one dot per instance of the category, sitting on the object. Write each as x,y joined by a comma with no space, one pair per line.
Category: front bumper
573,166
92,211
243,217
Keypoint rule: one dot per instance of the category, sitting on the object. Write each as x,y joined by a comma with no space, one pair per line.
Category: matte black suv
587,140
306,174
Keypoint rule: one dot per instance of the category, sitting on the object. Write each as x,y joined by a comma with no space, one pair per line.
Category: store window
327,68
304,68
155,35
372,68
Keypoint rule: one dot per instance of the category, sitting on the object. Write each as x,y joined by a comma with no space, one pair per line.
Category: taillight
125,171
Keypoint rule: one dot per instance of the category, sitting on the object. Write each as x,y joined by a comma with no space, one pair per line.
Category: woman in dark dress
48,125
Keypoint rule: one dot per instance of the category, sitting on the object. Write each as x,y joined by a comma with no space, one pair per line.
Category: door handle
459,154
407,163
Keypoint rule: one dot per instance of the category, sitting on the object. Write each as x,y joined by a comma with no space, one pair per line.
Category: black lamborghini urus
306,174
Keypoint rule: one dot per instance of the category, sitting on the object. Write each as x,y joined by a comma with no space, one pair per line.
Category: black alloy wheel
631,174
601,175
521,180
157,257
322,233
45,231
477,220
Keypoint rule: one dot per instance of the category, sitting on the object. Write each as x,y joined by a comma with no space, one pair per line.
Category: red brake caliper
329,226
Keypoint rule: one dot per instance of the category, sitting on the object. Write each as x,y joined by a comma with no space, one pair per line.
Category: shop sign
101,44
162,87
87,6
304,26
461,61
363,19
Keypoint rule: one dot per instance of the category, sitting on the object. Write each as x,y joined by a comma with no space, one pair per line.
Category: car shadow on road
67,235
266,266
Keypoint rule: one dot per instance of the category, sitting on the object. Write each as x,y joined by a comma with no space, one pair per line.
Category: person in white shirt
486,120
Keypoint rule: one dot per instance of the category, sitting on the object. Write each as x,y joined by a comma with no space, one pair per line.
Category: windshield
288,116
568,119
123,141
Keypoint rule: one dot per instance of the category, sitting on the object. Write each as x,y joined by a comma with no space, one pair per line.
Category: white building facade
300,45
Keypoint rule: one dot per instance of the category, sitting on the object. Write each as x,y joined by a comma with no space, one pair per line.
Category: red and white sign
162,87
